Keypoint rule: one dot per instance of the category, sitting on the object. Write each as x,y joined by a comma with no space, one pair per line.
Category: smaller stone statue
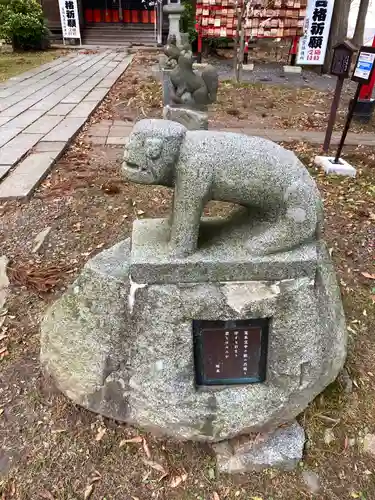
189,88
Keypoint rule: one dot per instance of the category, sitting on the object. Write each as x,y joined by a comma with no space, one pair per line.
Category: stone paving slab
105,84
44,124
96,95
6,134
65,130
4,120
74,97
57,78
25,119
4,169
61,109
28,174
120,131
83,109
116,141
55,147
17,148
99,141
43,109
15,110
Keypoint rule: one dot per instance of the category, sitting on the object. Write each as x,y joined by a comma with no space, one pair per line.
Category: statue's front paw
179,251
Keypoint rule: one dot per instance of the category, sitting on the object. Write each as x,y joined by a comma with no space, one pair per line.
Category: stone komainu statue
261,176
190,88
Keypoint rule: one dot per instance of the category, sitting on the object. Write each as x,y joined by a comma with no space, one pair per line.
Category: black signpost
340,67
364,68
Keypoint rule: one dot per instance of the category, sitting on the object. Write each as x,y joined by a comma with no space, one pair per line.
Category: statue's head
152,151
172,40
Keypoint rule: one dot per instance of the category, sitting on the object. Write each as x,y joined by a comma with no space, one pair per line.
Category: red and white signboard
313,44
69,19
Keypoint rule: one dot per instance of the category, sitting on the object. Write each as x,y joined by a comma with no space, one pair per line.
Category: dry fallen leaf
146,448
216,496
45,494
369,276
89,489
155,466
137,439
40,238
100,434
177,480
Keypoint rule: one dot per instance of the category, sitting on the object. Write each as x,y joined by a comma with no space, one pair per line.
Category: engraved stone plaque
230,352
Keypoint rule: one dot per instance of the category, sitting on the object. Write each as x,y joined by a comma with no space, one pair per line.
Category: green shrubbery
188,20
22,24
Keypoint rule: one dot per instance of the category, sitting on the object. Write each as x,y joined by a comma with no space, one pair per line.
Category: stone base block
221,256
341,168
292,69
126,350
200,66
191,119
282,449
248,67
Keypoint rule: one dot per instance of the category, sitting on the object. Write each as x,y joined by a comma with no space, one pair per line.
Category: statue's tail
211,79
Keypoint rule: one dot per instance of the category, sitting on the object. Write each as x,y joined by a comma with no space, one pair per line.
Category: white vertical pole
155,22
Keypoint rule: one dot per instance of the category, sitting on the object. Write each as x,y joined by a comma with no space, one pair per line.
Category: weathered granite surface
190,118
281,448
84,346
191,88
269,181
126,350
221,256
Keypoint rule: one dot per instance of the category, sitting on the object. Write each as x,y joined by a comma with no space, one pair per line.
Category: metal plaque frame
200,327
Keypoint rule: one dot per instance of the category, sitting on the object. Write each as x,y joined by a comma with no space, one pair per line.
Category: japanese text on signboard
313,44
69,18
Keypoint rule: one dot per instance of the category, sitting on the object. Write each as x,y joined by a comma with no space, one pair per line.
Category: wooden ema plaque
230,352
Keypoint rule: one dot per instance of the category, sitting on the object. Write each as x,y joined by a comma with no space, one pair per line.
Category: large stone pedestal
119,341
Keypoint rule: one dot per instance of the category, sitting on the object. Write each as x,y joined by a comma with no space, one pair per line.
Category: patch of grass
14,63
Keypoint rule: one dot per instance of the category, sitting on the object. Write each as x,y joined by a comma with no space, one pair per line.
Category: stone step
120,27
119,34
99,42
123,37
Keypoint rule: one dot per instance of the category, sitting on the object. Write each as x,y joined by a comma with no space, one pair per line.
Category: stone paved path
114,133
43,109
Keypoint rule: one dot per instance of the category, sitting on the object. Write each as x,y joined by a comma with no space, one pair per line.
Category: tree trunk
236,48
241,52
339,29
360,24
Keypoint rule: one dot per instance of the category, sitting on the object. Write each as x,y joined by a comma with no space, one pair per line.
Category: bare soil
51,449
279,106
239,105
